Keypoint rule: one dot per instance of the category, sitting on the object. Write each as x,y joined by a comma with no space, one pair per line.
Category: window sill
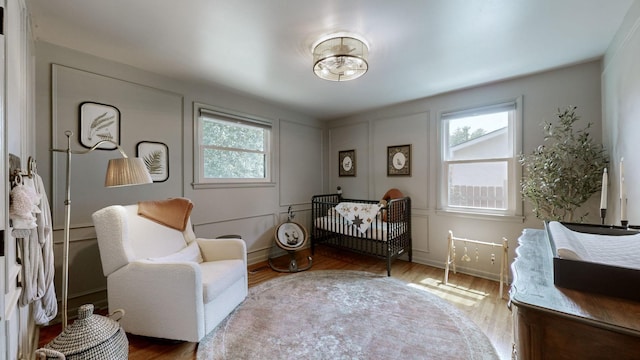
481,216
198,186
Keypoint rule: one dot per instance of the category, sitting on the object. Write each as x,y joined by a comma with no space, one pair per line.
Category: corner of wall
627,28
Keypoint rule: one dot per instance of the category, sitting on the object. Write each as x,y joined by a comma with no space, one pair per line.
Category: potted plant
564,172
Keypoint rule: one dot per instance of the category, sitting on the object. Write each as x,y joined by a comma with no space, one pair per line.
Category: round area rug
344,315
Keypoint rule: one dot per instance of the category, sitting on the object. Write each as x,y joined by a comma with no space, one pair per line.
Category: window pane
224,164
480,185
232,135
479,137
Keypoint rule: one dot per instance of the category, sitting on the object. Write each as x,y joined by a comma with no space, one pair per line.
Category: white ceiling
418,48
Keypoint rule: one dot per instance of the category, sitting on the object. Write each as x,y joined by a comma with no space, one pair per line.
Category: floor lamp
123,171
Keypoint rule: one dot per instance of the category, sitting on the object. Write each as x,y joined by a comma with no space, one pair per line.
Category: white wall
416,123
157,108
621,112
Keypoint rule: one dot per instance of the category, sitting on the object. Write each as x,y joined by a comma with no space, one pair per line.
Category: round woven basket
91,336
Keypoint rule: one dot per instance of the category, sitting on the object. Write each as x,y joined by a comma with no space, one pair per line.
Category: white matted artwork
156,158
99,122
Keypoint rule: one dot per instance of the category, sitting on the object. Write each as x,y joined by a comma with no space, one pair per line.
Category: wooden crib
388,237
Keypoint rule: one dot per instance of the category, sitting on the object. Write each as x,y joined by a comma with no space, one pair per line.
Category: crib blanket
358,214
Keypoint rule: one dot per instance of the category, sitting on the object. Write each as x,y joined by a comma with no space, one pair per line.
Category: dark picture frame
347,163
99,122
155,156
399,160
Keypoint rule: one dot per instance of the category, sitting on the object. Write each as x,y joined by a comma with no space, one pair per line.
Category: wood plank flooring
478,298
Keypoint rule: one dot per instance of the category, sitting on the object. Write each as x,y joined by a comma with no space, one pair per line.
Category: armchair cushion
218,276
190,253
148,238
222,249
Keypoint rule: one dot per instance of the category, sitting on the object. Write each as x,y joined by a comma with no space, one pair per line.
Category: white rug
344,315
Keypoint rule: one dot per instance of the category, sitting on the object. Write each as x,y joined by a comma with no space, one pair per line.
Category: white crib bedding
377,231
621,250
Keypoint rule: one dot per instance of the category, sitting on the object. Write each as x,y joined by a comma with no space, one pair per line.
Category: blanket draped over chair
173,212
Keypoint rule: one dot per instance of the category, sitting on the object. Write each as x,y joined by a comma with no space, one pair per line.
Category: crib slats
395,241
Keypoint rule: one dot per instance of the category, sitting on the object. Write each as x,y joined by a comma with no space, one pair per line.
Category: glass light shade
340,59
126,171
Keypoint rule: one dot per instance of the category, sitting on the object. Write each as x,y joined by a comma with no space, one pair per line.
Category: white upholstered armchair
171,284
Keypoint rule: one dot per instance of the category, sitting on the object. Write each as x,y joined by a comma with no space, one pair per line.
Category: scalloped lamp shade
340,59
126,171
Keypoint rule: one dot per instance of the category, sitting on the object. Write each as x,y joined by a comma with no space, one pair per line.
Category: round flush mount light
340,58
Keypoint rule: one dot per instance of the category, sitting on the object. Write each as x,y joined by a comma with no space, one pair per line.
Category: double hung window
479,159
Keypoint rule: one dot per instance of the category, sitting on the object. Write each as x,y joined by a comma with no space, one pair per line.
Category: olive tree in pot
564,172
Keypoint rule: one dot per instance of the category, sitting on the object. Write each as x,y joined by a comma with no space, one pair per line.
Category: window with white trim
232,148
480,172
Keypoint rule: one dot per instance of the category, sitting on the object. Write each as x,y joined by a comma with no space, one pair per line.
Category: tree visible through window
233,149
463,134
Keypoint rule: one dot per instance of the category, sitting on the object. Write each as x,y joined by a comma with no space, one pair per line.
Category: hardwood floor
477,298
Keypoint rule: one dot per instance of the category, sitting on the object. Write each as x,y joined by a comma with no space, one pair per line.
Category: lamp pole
138,174
65,244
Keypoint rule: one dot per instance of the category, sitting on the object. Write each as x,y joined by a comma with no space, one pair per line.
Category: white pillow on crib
190,253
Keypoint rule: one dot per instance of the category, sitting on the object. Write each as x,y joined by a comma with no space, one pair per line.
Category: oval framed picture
399,160
291,235
347,163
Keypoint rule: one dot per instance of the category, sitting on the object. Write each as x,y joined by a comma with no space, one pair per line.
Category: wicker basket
91,336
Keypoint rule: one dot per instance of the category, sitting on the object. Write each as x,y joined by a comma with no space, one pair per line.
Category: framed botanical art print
156,158
399,160
347,163
99,122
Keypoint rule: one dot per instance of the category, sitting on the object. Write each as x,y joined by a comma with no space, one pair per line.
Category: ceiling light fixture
340,58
